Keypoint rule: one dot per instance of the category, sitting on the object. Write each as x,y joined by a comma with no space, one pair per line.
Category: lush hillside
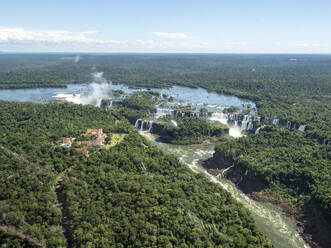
131,195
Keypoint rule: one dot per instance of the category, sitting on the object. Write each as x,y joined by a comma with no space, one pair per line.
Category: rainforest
272,141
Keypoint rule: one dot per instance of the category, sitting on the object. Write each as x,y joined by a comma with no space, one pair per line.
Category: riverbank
313,228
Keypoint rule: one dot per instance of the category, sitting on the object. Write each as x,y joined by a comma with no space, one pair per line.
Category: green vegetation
136,196
190,130
137,105
292,165
132,195
114,139
12,241
230,110
286,167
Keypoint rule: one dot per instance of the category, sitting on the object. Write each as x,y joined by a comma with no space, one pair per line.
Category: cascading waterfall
257,131
220,117
243,126
302,128
143,125
150,126
136,125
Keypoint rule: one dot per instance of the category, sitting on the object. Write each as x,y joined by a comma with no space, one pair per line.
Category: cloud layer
20,35
171,35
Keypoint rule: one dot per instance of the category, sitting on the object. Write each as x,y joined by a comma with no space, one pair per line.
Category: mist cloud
100,89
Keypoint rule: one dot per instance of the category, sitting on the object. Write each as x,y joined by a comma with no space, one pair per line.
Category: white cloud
20,35
171,35
308,45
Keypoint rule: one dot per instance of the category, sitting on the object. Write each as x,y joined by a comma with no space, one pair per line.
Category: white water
258,130
302,128
271,220
100,89
234,130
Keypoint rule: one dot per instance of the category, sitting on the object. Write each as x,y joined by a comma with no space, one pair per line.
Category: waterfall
275,121
136,125
240,180
173,123
302,128
150,126
257,131
243,125
250,126
111,104
242,177
142,125
220,117
225,170
246,123
288,125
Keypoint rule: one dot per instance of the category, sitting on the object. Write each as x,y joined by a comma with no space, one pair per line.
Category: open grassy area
115,139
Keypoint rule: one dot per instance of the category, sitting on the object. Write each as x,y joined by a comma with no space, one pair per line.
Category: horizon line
162,53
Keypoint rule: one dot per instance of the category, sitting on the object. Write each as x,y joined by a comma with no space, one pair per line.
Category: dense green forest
137,105
12,241
132,195
136,196
190,130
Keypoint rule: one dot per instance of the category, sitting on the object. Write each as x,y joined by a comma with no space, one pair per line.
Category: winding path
15,231
59,204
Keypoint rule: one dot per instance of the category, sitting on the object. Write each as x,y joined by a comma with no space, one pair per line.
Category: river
271,220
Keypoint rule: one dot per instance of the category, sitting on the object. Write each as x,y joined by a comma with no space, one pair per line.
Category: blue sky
209,26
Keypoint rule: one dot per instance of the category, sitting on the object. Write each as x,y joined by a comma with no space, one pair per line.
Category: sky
166,26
